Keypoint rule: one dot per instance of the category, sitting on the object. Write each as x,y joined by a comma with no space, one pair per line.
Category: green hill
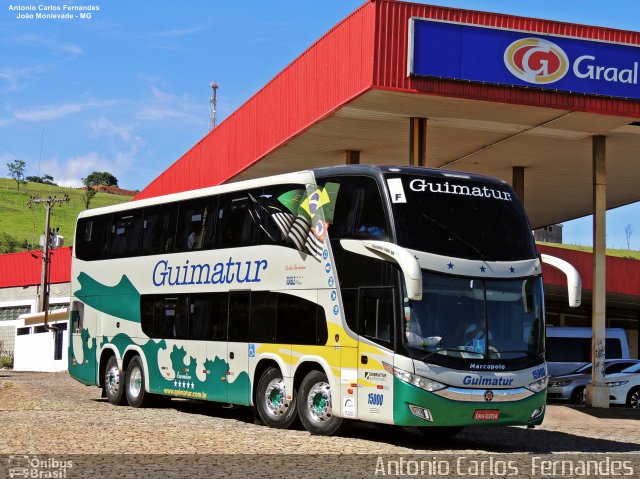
620,253
21,227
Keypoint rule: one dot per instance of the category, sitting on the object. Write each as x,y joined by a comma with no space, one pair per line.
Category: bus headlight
418,381
538,385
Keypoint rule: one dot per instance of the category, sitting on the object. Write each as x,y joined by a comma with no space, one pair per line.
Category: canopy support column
353,157
517,181
417,141
597,391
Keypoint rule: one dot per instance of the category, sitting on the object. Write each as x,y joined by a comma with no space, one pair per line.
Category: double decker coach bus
396,295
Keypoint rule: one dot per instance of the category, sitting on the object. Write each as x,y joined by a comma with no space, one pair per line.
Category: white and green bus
396,295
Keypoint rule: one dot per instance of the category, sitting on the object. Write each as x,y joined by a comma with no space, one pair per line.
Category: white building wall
26,297
35,351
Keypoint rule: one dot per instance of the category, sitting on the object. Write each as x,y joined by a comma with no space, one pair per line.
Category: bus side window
77,317
239,313
208,316
275,218
359,212
125,234
197,224
376,317
159,229
239,219
296,320
146,314
350,302
92,238
262,328
171,317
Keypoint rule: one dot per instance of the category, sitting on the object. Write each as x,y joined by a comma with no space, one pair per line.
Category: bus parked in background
569,348
396,295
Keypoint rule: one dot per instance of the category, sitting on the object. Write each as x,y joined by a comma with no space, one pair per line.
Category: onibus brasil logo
536,60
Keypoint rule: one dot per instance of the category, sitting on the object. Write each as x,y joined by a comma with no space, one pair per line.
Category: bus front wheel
135,384
274,407
114,383
314,405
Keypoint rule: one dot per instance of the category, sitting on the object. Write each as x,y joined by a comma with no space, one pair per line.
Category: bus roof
301,177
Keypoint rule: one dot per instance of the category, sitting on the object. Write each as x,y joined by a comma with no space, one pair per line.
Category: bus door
238,349
208,344
171,318
375,324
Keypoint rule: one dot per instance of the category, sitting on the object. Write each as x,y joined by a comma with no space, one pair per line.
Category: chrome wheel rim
112,381
319,402
275,398
135,382
634,400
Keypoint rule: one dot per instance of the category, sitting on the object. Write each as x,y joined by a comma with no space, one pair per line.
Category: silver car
570,387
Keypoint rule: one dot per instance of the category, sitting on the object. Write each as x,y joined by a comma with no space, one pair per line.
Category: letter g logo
536,61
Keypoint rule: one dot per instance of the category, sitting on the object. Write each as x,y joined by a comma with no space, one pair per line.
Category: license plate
486,415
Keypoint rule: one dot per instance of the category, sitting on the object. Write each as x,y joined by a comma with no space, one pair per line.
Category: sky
127,90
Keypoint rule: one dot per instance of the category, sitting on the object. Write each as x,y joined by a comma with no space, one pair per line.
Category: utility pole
43,294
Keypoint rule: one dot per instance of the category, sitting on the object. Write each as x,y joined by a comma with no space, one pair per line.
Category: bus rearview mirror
385,251
574,282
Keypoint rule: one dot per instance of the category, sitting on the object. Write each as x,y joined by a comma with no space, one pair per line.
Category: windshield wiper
455,236
527,353
455,350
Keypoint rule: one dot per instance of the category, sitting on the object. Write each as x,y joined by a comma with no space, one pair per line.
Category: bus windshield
475,318
459,217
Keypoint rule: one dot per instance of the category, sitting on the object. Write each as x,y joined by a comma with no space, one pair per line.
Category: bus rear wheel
314,405
136,383
274,408
114,383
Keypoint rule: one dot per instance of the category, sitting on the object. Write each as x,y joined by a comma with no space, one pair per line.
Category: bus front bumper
465,407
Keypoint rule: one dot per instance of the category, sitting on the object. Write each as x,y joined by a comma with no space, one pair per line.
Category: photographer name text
53,12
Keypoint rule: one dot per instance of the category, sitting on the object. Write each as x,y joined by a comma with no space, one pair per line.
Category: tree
101,178
89,192
628,231
16,170
45,179
8,244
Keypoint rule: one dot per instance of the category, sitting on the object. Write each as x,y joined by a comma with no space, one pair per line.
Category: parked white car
624,387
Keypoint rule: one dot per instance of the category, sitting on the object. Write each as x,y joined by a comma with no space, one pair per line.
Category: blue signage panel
505,57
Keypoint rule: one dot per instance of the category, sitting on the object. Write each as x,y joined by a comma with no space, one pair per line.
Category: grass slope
22,223
621,253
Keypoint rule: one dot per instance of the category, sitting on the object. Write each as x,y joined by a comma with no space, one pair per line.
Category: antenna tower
214,105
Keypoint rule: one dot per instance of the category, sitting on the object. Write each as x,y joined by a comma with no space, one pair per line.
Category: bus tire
314,405
114,383
271,400
439,432
135,384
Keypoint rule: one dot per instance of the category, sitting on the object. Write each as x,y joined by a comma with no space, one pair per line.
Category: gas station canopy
398,83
